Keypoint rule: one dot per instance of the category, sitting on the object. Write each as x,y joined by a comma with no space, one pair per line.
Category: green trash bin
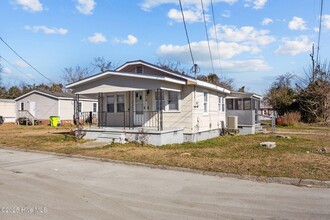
54,120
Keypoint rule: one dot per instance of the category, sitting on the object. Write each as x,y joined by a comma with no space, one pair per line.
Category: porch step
259,129
112,137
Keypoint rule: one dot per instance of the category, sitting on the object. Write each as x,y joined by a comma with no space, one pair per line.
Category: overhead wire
25,60
186,31
216,36
9,63
207,36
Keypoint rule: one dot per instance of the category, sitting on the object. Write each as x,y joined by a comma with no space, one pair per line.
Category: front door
139,106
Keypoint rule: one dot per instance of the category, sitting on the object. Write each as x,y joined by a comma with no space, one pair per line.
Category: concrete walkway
42,186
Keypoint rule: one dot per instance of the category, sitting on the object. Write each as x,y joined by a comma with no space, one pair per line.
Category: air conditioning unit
232,122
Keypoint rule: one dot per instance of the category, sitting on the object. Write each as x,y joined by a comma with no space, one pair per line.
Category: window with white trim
94,107
206,102
173,100
111,103
221,103
120,103
22,106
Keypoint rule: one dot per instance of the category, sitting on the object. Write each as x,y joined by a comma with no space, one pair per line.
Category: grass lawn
297,157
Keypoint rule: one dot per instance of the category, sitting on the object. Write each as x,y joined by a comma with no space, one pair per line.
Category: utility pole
313,63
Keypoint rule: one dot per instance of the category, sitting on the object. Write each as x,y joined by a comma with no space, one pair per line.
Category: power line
1,57
185,27
216,36
319,37
25,60
207,36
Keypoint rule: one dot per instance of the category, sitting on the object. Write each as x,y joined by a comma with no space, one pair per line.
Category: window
80,107
206,102
173,100
230,104
22,106
238,104
120,103
221,104
94,107
160,101
139,69
110,103
247,104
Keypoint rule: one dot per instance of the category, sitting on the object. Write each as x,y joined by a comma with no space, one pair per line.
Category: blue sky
252,42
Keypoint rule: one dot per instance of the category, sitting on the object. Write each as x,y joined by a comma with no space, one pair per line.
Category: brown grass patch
297,157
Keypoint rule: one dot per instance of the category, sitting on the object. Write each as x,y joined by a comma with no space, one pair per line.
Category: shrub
291,118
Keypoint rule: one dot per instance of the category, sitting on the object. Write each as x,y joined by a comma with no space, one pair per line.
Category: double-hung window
111,103
173,100
120,103
221,104
94,107
206,102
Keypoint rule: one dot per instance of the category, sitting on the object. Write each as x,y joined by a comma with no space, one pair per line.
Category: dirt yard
297,157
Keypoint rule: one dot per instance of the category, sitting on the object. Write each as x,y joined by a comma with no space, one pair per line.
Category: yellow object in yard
54,120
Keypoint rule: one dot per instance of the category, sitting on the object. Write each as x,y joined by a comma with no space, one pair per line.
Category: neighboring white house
170,107
8,110
41,105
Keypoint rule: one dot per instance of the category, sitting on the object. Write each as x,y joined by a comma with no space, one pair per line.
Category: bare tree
74,74
314,98
102,64
172,66
213,78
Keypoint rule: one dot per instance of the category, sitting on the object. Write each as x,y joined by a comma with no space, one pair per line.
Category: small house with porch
41,105
140,100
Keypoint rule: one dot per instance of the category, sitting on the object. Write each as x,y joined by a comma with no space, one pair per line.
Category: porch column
160,109
99,109
76,110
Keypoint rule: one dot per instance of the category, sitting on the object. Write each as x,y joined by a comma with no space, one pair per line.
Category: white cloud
266,21
226,14
246,34
297,24
149,4
30,5
189,15
200,50
257,4
293,47
85,7
6,71
131,40
46,30
97,38
326,21
201,55
21,64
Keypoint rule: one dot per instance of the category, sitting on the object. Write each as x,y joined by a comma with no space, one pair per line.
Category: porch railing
86,118
130,119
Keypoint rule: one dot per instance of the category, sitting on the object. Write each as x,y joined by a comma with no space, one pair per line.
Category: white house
43,104
8,110
170,107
